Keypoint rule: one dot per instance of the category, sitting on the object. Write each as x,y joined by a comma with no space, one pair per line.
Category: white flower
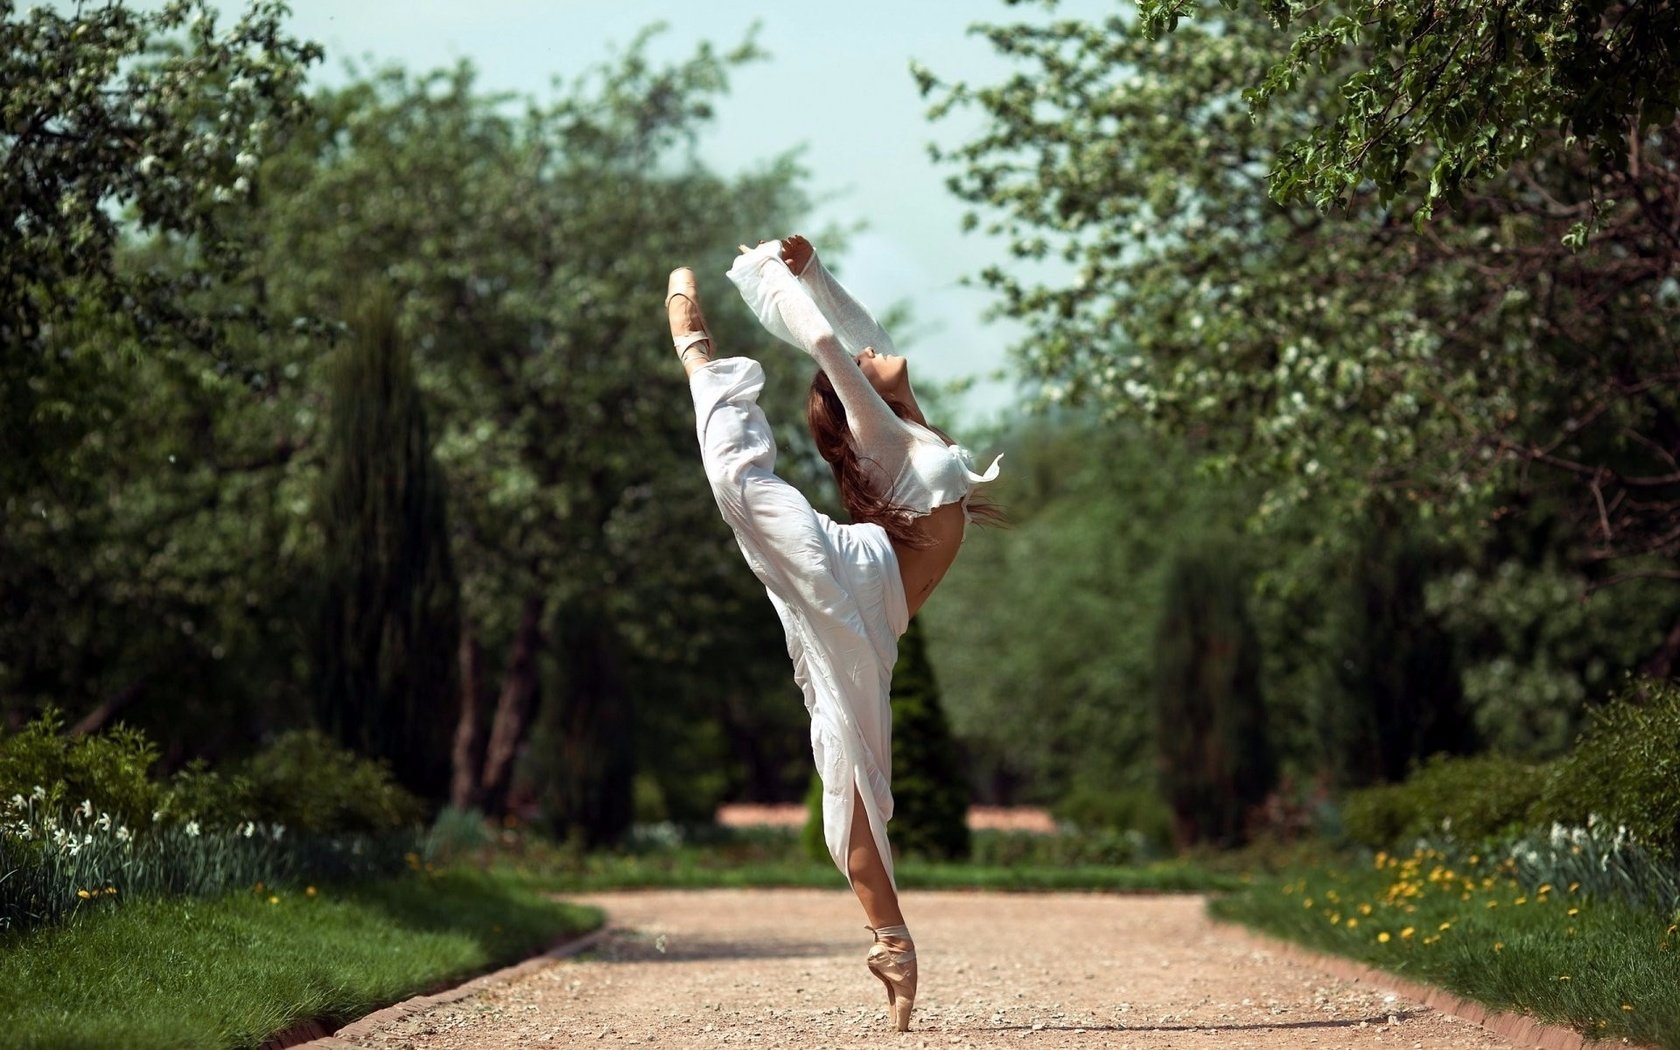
191,829
157,815
279,830
123,834
247,829
148,164
86,808
40,793
246,160
104,822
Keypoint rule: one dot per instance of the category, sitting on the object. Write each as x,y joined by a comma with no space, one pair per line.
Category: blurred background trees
1401,349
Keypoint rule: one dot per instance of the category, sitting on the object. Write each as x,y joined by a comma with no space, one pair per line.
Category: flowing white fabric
835,587
916,468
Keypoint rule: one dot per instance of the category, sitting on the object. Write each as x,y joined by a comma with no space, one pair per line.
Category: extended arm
790,314
852,321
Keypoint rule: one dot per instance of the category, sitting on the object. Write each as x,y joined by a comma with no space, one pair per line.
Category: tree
1216,761
1439,97
140,406
529,247
1401,699
385,642
1455,373
930,788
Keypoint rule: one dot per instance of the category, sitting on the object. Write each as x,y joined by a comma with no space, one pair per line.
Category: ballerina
844,592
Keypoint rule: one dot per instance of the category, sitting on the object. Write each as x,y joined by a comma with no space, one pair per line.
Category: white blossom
191,829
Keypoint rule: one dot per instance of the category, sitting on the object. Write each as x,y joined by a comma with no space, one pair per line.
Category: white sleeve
852,321
791,315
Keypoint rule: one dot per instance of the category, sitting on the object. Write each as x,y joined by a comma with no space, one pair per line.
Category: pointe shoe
682,309
896,970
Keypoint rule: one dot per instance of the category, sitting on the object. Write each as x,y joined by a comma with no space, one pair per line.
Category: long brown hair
826,417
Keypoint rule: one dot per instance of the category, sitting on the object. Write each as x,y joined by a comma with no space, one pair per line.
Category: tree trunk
467,753
95,720
1661,664
513,711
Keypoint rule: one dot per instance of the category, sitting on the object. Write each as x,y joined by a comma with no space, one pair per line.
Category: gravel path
784,968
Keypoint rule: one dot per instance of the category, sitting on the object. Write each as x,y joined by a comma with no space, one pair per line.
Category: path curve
784,968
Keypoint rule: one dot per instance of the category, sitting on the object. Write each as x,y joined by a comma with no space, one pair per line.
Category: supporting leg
869,874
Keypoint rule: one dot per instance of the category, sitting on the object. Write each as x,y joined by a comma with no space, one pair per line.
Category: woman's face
889,375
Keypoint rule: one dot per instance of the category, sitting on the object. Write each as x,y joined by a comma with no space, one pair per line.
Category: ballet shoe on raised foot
688,324
896,970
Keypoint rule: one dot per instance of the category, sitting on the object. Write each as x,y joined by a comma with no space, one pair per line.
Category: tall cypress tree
1216,758
1401,695
930,789
386,638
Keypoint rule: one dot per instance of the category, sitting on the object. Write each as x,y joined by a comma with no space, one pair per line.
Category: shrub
811,835
1625,770
1092,810
1471,799
310,785
112,769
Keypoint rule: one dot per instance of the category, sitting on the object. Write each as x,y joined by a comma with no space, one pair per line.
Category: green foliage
1108,846
389,628
1043,635
1141,813
930,791
116,121
1353,365
310,785
1440,97
1216,761
1625,770
111,770
811,840
1470,799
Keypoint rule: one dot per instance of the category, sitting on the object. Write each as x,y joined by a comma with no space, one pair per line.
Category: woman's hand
797,253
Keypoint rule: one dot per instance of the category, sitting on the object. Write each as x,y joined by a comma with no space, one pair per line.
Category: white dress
835,587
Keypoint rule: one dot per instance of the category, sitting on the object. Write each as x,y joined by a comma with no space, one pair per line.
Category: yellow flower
1573,886
274,900
1574,911
1335,920
1382,938
110,889
1563,977
1493,904
1406,934
1498,946
1544,888
1364,909
309,891
1520,900
1307,903
1627,1008
1353,924
1446,926
83,894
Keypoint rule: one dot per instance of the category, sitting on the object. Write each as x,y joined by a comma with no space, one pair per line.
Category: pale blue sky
837,82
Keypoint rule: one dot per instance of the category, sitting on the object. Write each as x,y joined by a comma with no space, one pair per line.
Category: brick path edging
1520,1029
313,1035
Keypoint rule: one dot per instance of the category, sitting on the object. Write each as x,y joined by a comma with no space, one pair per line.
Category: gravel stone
784,968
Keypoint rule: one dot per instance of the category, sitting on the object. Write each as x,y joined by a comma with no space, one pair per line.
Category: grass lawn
231,971
1604,968
709,867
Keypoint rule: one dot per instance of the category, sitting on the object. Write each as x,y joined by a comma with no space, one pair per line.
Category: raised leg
688,325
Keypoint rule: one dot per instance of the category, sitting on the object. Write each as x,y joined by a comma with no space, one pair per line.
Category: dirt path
784,968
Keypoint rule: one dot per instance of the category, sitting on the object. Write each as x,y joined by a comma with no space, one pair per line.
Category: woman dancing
844,593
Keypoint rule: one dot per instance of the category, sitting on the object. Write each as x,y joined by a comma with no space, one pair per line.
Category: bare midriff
921,568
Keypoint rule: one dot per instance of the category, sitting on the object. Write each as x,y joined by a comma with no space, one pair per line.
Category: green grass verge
1601,967
231,971
707,868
